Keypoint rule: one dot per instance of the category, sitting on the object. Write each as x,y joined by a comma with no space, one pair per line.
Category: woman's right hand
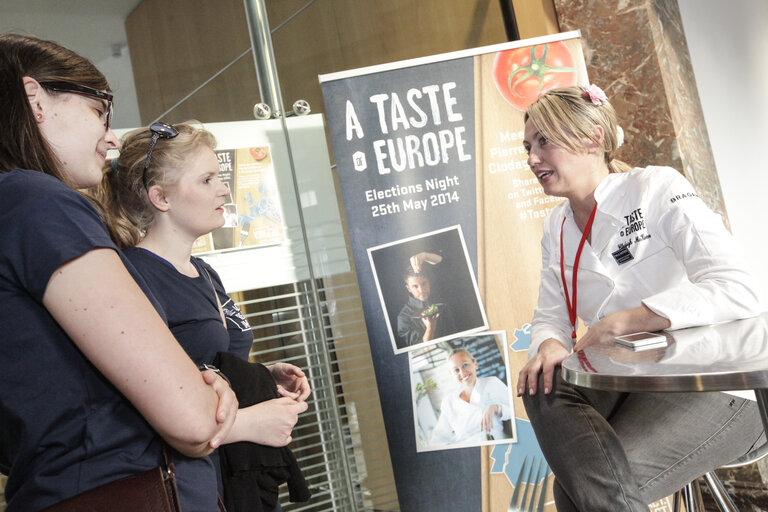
551,353
269,423
486,421
226,412
290,380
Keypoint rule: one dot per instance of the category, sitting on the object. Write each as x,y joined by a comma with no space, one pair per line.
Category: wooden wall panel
178,44
535,18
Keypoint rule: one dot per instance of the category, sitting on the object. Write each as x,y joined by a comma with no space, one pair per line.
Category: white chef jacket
459,421
654,242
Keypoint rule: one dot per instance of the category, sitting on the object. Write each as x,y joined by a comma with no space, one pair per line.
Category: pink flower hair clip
596,94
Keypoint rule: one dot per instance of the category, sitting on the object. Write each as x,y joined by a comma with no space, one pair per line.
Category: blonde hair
128,212
461,350
566,117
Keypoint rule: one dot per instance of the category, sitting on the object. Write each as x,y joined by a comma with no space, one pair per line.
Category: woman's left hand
486,422
291,381
628,321
602,332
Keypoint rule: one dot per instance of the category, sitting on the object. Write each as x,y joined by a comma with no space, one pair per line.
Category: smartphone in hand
642,340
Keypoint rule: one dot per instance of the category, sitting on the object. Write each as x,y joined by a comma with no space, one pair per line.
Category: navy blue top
191,308
63,427
193,317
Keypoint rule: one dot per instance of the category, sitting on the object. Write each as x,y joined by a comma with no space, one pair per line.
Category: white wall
119,74
89,27
728,42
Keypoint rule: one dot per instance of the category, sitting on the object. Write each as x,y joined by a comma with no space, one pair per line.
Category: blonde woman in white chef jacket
473,412
630,250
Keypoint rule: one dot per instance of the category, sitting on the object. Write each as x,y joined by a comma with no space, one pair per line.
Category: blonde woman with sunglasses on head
162,193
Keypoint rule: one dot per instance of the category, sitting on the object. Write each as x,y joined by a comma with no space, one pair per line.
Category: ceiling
92,28
89,27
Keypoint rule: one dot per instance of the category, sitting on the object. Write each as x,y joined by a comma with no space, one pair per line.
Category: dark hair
424,274
127,210
21,143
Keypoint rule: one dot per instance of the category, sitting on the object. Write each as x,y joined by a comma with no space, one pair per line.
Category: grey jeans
616,452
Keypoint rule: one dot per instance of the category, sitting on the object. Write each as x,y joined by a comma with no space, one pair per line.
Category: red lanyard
572,305
585,364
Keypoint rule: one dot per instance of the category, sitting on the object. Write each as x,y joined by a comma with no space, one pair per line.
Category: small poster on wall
439,301
252,212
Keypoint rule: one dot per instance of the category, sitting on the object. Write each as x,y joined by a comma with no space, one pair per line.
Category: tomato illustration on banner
522,74
259,153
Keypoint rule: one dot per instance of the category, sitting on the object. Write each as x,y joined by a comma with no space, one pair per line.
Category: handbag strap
170,468
218,301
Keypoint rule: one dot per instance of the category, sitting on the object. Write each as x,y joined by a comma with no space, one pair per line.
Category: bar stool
691,494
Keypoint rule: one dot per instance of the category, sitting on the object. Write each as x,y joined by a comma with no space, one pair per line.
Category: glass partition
300,295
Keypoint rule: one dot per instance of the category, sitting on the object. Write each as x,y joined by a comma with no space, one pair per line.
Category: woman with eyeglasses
92,382
162,193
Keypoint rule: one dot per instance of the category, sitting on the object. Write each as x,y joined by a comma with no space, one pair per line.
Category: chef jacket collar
609,201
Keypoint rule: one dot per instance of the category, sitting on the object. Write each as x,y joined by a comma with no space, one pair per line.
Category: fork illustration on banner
534,495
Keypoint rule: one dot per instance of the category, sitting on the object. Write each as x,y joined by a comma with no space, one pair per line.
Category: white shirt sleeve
497,393
443,433
550,319
719,287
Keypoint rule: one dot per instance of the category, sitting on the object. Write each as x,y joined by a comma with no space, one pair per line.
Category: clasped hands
270,422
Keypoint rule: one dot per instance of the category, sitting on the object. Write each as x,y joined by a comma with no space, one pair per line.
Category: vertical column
263,55
638,53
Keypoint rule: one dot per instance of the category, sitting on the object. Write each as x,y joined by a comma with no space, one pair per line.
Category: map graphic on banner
433,174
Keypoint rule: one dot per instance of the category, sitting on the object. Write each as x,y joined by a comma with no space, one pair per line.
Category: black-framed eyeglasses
83,91
159,131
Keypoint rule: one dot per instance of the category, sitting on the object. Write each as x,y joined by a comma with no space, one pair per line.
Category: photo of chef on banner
461,393
427,288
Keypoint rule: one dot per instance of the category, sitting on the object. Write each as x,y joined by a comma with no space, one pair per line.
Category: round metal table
723,357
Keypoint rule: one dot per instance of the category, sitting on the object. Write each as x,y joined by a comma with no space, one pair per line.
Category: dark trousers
616,452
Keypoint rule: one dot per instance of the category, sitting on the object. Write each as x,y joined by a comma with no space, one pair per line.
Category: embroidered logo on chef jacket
633,231
634,222
622,255
678,197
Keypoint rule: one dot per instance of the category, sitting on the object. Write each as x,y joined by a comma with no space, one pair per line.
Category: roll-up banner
444,220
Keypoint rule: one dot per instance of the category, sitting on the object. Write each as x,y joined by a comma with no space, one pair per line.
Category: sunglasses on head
159,131
83,91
